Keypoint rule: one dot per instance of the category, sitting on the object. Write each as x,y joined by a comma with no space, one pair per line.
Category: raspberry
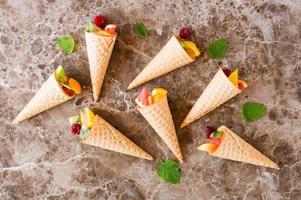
75,129
99,21
227,71
208,131
184,33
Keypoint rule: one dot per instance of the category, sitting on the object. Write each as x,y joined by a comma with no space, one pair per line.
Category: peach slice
111,28
74,85
208,147
242,85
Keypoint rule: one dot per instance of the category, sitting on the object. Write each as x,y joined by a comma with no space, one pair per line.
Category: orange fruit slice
234,78
158,94
190,48
74,85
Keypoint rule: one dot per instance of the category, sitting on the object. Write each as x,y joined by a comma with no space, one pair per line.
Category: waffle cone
171,57
218,91
48,96
99,48
159,117
233,147
105,136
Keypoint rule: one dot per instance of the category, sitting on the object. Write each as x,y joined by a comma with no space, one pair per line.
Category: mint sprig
66,44
253,111
141,29
217,49
169,171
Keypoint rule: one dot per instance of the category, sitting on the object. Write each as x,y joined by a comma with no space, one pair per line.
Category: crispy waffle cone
105,136
234,148
219,90
99,48
48,96
171,57
159,117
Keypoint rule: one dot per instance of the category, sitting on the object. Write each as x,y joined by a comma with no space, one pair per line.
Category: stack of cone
234,148
48,96
105,136
171,57
99,48
159,117
219,90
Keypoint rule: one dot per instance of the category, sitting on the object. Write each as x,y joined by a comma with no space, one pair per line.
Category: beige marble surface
40,159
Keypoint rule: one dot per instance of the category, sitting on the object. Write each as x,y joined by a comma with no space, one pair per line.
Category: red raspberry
208,131
99,21
75,129
184,33
227,71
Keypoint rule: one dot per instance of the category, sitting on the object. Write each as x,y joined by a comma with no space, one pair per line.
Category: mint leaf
216,134
169,171
253,111
141,30
66,44
217,49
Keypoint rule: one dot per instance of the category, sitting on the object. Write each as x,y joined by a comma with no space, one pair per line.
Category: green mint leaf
66,44
60,74
217,134
253,111
169,171
141,30
217,49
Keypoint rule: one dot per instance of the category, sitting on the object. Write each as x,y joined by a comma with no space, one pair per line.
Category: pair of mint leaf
66,44
253,111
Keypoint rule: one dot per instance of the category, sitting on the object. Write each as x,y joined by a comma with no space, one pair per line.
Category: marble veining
40,159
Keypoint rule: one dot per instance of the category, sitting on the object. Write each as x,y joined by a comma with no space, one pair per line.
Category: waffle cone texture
105,136
49,95
234,148
99,49
171,57
159,117
218,91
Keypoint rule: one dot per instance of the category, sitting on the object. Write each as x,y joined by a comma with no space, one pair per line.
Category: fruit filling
233,77
189,47
82,123
214,139
146,97
98,26
70,86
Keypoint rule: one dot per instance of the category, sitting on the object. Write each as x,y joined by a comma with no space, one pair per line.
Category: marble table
40,159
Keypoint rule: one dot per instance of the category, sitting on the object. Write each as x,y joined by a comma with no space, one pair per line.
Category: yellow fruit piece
190,48
74,85
87,117
158,94
234,78
209,147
